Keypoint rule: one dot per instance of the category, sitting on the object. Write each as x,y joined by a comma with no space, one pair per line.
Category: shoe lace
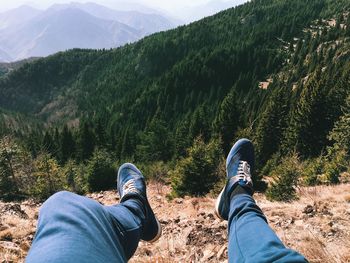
129,187
243,172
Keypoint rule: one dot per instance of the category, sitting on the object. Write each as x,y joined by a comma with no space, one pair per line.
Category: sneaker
131,184
239,164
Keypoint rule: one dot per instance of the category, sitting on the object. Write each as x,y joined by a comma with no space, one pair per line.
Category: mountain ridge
40,34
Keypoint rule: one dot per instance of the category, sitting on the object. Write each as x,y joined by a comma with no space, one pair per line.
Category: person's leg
250,237
72,228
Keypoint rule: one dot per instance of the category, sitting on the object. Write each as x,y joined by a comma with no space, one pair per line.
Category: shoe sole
159,233
217,203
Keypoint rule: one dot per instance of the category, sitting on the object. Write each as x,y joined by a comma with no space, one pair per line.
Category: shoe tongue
246,168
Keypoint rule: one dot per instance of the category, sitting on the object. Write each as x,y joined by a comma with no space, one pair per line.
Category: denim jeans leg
250,237
129,216
72,228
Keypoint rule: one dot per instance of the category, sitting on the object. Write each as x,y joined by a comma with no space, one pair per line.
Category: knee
57,201
60,197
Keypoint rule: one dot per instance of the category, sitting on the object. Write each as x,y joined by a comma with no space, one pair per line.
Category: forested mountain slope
275,71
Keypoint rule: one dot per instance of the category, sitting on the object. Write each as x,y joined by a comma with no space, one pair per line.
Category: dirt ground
317,225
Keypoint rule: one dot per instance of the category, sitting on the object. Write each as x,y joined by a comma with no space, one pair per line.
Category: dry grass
192,233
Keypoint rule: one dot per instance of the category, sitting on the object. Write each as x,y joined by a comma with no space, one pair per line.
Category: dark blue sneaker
239,165
131,184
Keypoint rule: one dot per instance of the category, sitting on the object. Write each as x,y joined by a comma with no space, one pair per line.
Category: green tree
67,145
228,120
199,125
308,128
198,172
182,140
270,126
285,178
86,142
48,144
156,143
101,173
340,134
75,177
8,180
15,169
47,177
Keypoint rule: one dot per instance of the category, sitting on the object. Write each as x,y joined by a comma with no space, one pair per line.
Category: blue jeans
72,228
250,237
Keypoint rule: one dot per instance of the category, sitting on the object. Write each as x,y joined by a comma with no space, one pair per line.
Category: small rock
202,214
178,201
163,222
211,216
309,210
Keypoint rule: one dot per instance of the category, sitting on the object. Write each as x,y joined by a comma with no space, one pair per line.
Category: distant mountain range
27,32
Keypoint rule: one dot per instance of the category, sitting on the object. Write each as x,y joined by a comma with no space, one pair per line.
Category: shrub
285,178
335,164
101,173
222,178
75,177
47,177
197,174
312,170
15,170
155,171
270,165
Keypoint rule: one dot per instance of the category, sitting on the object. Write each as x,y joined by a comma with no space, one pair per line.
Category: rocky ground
317,225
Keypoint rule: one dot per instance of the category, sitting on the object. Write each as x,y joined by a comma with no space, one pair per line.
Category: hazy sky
162,4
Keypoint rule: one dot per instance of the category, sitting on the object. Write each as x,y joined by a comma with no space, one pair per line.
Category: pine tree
48,143
10,168
48,180
101,134
126,146
86,142
67,145
182,140
197,174
199,124
228,120
285,178
156,143
340,135
100,172
308,128
270,127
